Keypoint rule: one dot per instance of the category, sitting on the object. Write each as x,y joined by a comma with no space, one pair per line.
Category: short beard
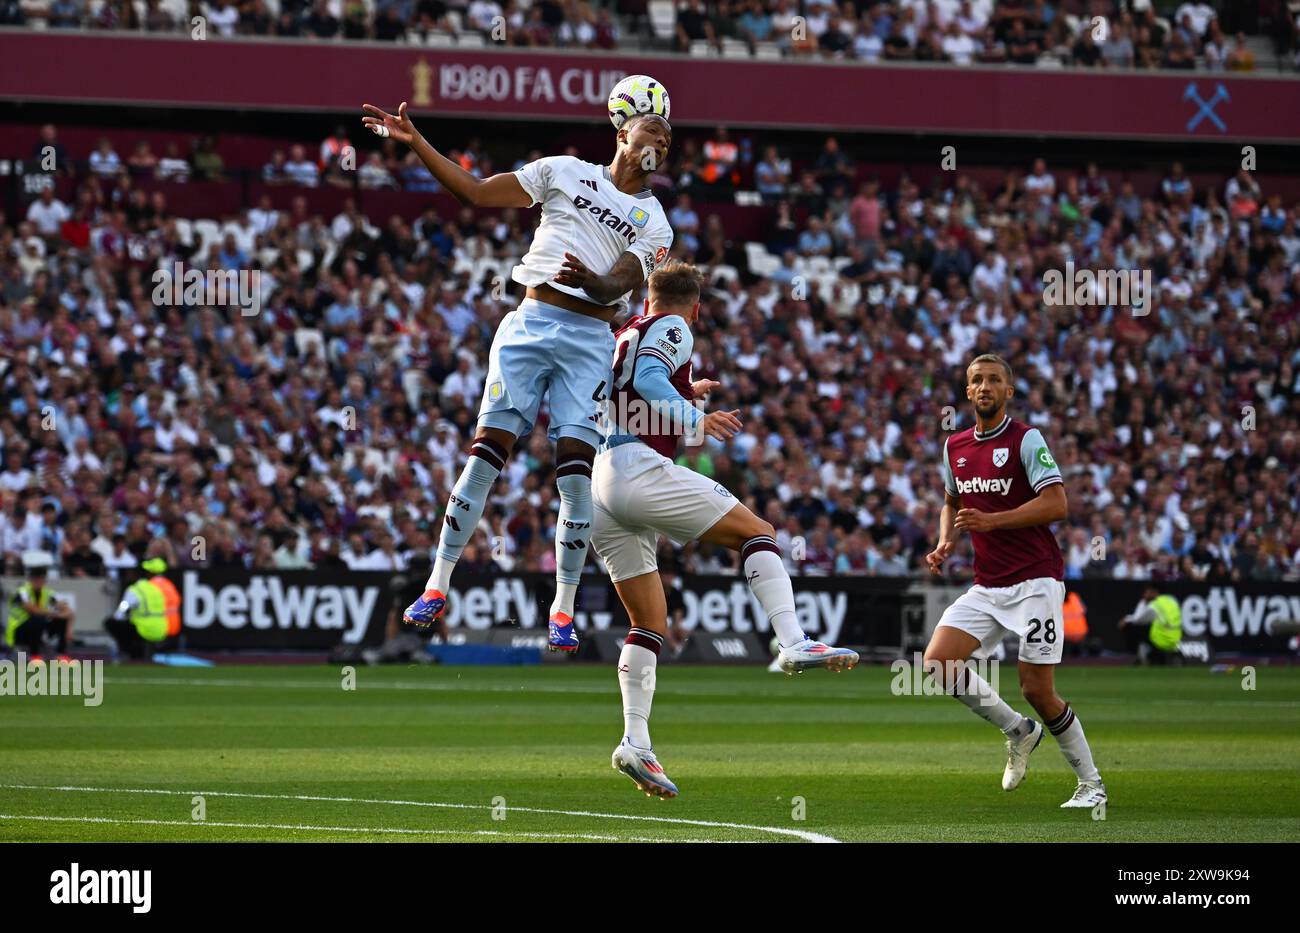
989,410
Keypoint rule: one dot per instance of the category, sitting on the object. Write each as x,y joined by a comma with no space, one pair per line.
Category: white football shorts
1030,610
637,495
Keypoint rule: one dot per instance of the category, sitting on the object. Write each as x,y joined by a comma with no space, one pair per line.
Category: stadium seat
702,48
734,48
663,19
473,40
767,50
819,265
724,273
209,233
439,40
185,230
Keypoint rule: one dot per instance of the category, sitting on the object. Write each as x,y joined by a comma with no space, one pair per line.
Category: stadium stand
1141,34
324,429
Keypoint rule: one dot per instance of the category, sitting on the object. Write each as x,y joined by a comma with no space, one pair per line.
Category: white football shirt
584,214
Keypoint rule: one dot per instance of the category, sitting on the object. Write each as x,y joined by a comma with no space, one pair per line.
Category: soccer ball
634,95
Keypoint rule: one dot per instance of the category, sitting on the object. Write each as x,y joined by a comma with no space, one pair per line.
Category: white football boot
1018,751
644,769
1088,794
809,654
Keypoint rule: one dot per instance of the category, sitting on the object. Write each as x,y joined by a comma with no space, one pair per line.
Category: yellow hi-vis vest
150,617
1167,627
17,614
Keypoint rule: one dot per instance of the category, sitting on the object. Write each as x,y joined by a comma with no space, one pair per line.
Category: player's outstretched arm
1047,507
502,190
602,289
947,537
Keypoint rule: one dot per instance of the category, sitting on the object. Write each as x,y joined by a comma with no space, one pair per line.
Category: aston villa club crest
1000,456
638,216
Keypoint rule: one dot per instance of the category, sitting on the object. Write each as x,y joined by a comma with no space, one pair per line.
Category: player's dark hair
992,358
676,284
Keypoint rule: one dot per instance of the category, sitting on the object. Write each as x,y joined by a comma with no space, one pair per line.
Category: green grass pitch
522,753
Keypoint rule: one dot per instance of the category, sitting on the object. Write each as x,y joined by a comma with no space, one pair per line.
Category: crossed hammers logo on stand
1206,106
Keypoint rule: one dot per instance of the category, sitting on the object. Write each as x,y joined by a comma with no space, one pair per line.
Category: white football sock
1074,745
637,665
770,584
981,699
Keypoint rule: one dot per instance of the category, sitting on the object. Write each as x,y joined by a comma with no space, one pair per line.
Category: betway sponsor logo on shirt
604,215
980,484
267,602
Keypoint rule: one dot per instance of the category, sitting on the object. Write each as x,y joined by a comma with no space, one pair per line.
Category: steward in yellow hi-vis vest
1162,617
37,622
171,596
141,622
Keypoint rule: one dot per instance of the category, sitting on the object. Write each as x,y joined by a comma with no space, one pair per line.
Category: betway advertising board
315,610
318,610
1230,617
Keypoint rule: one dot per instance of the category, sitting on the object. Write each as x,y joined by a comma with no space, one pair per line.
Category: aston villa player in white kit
640,493
1003,487
558,343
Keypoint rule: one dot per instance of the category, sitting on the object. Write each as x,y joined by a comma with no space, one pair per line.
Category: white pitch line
19,817
805,835
593,689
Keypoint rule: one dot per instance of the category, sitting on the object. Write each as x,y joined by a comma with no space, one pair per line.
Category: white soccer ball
637,94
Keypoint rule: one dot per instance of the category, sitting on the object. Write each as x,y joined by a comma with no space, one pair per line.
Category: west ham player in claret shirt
1003,487
640,493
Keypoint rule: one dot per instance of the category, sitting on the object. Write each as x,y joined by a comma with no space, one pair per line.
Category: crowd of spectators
326,429
1138,34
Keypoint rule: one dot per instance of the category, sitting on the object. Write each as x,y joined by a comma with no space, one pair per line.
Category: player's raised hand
573,273
702,387
936,557
721,425
398,127
973,520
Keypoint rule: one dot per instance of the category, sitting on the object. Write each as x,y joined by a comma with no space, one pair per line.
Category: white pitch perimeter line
805,835
588,837
436,687
552,688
